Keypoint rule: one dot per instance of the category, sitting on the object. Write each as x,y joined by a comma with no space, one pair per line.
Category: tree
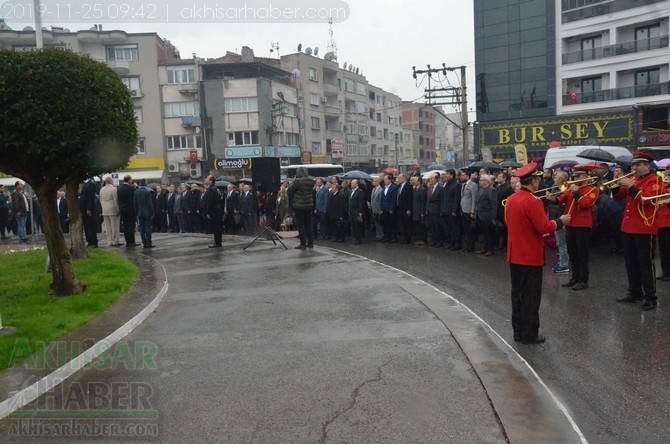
63,118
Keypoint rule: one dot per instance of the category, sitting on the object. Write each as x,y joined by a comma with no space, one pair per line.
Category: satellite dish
316,51
308,51
356,70
344,66
351,68
27,28
329,56
296,73
299,47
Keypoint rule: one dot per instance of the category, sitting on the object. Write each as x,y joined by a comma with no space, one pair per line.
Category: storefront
612,128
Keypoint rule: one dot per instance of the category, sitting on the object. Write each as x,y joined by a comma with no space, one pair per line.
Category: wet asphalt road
609,363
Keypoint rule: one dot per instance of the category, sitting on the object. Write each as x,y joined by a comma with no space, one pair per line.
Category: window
316,148
373,131
420,113
291,139
313,99
313,75
316,123
241,105
592,90
122,52
647,82
363,130
350,128
132,83
139,118
361,88
181,75
420,125
290,110
142,145
239,138
645,35
590,46
349,85
178,109
184,142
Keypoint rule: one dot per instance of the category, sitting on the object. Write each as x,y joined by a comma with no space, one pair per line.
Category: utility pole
396,152
458,96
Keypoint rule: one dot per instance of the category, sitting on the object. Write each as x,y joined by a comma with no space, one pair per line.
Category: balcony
119,66
626,92
615,50
188,88
190,121
330,89
332,110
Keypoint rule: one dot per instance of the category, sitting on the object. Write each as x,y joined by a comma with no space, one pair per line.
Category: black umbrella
356,174
597,154
222,183
244,180
510,163
153,185
483,164
194,182
226,178
626,159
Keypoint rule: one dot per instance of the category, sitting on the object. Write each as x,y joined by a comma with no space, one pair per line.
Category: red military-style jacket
579,205
663,216
640,217
527,223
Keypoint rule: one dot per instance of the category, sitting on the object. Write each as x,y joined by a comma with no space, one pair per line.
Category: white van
569,153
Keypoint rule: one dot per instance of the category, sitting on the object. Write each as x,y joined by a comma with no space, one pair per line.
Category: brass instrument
613,183
562,188
658,200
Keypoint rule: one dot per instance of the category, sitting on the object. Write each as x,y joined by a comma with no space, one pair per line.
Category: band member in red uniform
527,223
638,230
578,200
663,237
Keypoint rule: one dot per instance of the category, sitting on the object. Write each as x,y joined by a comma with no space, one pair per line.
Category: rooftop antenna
332,47
275,47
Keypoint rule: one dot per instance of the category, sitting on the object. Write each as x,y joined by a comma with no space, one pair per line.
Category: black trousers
303,220
638,252
664,249
4,221
217,230
90,229
404,222
526,298
577,240
468,232
389,223
128,226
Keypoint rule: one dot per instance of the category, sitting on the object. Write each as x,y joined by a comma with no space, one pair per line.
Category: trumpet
613,183
658,200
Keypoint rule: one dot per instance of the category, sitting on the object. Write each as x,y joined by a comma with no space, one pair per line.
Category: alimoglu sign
605,128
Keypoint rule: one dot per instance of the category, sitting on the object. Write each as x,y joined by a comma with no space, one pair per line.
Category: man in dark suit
389,195
403,209
357,207
63,216
419,210
434,191
89,212
160,207
232,209
451,210
338,213
125,195
249,210
191,209
173,226
144,208
213,207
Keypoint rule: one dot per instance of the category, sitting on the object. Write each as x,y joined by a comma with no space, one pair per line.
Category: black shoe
630,299
570,283
539,339
310,246
357,242
517,337
150,246
665,278
580,286
132,244
300,247
214,246
649,304
5,237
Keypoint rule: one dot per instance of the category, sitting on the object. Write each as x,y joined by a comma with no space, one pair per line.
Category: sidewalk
366,351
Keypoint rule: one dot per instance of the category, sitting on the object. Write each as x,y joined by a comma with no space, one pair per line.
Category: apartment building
572,72
421,119
346,119
135,58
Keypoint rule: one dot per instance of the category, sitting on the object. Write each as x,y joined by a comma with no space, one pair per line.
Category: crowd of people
473,211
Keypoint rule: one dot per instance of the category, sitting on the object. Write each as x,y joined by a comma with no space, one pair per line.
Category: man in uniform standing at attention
638,230
527,223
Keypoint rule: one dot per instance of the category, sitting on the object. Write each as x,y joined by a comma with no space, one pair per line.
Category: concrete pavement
317,345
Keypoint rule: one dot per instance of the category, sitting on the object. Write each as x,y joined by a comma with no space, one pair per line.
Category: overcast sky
384,39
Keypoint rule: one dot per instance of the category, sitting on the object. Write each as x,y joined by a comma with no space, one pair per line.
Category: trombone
614,182
658,200
562,188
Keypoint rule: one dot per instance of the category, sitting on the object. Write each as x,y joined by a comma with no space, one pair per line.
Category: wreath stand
271,235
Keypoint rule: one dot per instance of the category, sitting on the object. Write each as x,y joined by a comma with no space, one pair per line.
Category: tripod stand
271,235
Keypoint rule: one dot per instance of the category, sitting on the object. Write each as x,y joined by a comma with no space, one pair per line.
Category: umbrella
597,154
427,174
626,159
356,174
510,163
244,180
226,178
222,183
194,182
563,164
483,164
389,170
153,185
663,163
